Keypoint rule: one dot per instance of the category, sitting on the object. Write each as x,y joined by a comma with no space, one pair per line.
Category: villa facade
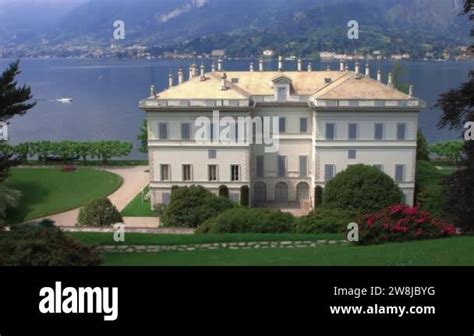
327,120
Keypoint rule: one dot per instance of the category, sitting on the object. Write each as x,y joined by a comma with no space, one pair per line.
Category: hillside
245,27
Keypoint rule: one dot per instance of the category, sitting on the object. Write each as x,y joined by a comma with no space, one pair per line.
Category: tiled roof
320,84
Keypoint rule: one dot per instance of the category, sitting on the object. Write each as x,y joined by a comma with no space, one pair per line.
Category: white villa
328,120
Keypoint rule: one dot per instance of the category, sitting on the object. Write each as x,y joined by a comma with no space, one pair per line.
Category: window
165,172
303,125
186,131
187,173
236,132
163,131
282,94
282,125
303,166
212,154
165,198
330,131
281,166
235,173
352,131
379,167
329,172
260,166
212,172
401,131
379,132
352,154
399,173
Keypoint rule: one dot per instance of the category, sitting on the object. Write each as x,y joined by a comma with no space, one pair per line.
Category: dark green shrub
402,223
244,196
224,191
431,198
191,206
318,196
44,246
99,212
361,188
323,220
245,220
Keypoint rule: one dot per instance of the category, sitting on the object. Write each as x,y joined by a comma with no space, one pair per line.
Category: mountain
245,27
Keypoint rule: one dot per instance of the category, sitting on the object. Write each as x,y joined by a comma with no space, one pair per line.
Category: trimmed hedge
324,220
191,206
361,188
244,220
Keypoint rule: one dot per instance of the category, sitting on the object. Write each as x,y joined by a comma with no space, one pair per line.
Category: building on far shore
327,120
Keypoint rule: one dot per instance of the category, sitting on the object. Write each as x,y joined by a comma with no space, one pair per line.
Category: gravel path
134,180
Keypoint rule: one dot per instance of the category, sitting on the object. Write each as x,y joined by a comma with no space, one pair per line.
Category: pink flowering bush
400,223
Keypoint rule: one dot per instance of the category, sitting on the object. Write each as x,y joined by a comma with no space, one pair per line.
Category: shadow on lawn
32,193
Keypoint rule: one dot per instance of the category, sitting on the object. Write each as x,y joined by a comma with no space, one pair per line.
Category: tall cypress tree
458,109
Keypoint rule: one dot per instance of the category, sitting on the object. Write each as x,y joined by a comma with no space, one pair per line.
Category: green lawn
175,239
457,251
139,207
47,191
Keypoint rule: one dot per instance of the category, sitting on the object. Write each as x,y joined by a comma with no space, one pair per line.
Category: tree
448,150
40,244
99,212
397,73
143,137
14,100
84,150
458,109
105,150
422,150
361,188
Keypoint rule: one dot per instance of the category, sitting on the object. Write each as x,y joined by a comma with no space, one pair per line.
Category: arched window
281,192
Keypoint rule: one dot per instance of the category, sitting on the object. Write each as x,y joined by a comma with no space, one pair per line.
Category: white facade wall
313,144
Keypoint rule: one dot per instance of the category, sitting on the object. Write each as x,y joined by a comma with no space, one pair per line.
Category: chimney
152,91
203,77
170,80
180,76
357,68
190,72
260,65
411,90
379,76
367,70
251,67
390,80
219,64
300,64
280,63
328,68
347,66
194,69
310,67
213,66
341,65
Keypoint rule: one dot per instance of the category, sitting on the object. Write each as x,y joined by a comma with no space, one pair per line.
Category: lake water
106,93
